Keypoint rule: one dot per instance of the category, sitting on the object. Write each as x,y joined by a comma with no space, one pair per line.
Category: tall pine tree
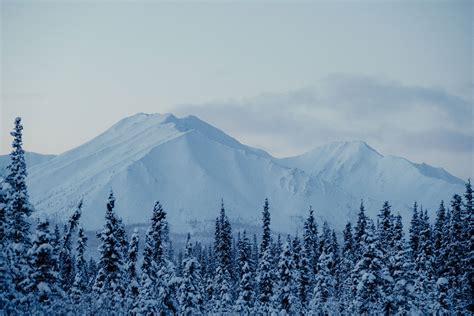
18,211
109,283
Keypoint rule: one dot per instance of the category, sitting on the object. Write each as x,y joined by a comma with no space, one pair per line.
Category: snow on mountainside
359,169
32,159
189,166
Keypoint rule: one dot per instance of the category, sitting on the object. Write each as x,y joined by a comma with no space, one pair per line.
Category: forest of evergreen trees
372,269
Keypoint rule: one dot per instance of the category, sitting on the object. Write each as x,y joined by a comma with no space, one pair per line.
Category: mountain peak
350,147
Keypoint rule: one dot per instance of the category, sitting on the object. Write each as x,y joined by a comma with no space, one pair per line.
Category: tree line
372,269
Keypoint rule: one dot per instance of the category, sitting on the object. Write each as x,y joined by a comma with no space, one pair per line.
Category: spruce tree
360,231
265,272
468,237
66,257
80,285
133,285
158,231
158,278
367,275
322,301
456,253
415,231
43,281
149,270
402,272
346,265
17,210
440,233
310,255
122,237
266,236
255,253
18,206
385,243
286,298
246,294
109,283
424,264
222,294
190,292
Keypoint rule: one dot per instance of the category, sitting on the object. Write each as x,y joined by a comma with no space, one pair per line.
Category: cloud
394,117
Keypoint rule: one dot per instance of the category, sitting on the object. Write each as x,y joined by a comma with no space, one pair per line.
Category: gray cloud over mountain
425,124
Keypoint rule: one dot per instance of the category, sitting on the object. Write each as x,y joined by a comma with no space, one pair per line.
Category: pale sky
284,76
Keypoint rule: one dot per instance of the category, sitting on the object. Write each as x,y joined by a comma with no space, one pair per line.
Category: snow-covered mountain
32,159
189,166
357,168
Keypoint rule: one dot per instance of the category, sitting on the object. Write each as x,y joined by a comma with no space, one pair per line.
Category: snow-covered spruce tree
43,286
246,293
158,220
167,288
255,254
237,248
367,275
415,231
345,268
385,226
385,243
208,278
441,306
266,236
165,282
91,271
265,273
286,300
245,300
311,243
402,271
440,232
456,253
236,269
158,278
309,259
109,282
360,232
297,253
276,249
425,281
222,298
56,242
80,286
190,291
440,253
122,237
133,285
222,295
325,281
18,210
66,256
468,260
149,270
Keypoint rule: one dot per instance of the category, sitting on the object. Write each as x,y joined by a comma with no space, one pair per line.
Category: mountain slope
189,166
32,159
359,169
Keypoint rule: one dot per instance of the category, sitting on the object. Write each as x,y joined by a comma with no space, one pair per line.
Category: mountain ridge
190,165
